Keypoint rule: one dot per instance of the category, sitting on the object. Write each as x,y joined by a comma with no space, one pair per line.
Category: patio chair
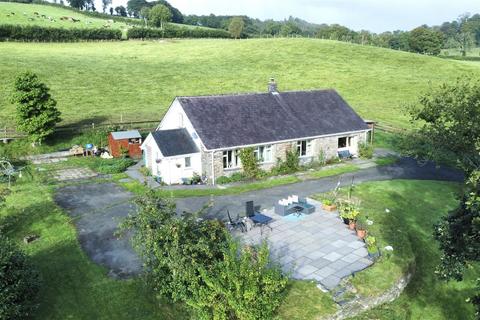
237,223
256,217
345,154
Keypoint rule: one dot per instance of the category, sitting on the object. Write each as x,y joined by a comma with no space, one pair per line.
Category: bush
365,150
245,284
173,31
235,177
19,282
249,162
47,34
290,165
111,166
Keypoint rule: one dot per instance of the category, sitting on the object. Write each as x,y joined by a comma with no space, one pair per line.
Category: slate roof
236,120
174,142
120,135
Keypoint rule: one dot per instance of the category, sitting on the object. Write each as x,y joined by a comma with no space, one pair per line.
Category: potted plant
352,218
372,248
329,205
329,202
361,226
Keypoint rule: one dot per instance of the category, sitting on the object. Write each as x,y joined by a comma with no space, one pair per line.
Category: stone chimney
272,86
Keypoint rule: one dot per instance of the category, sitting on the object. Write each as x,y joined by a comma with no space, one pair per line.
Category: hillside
49,16
103,81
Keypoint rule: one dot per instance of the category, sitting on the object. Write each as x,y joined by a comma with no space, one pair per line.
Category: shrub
361,223
371,243
173,31
235,177
245,284
111,166
49,34
19,282
249,162
290,165
365,150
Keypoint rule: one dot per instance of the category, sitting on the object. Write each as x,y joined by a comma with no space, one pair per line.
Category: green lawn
76,288
73,286
414,207
24,15
104,81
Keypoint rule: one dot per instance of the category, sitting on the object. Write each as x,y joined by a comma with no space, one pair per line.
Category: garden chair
237,223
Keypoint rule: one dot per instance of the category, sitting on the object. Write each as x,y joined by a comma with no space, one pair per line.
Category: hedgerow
49,34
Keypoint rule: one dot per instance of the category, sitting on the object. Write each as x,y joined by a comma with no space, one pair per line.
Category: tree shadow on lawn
412,234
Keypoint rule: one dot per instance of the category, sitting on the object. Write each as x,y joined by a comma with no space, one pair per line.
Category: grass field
104,81
24,15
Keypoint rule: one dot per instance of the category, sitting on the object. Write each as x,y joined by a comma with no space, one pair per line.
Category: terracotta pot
330,208
351,225
361,233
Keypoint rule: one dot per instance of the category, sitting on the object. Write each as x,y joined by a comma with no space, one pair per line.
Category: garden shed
125,142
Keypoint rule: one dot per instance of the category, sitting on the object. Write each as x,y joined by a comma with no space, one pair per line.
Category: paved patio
316,247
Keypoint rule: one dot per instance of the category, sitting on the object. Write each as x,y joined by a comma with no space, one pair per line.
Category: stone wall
361,304
327,145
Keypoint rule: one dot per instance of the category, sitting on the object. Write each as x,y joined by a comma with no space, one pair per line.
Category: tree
37,113
111,11
465,36
19,282
105,4
121,11
197,261
78,4
236,27
159,15
449,132
426,41
145,13
134,7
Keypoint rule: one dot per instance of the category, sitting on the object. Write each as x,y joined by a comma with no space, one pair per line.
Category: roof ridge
253,93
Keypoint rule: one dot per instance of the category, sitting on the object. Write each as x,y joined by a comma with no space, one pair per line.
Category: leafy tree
144,14
37,113
425,40
464,36
236,27
105,4
111,11
450,133
197,262
290,29
77,4
19,282
243,285
121,11
135,6
159,15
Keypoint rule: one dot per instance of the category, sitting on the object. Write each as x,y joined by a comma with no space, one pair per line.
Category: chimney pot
272,86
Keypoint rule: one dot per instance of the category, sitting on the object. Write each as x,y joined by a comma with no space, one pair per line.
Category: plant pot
330,208
351,224
346,221
361,233
374,255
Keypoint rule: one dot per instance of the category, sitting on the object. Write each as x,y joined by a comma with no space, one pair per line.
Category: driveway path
405,168
97,208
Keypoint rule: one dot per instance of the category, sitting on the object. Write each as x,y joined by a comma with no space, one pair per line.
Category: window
342,142
263,153
304,148
345,142
231,159
188,162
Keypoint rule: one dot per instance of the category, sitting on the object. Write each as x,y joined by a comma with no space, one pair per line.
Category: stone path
317,247
73,174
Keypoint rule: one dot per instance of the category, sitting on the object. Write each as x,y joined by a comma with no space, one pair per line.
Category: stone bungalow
203,135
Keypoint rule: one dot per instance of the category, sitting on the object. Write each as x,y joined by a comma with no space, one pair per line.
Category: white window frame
189,164
348,143
263,153
304,152
232,159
